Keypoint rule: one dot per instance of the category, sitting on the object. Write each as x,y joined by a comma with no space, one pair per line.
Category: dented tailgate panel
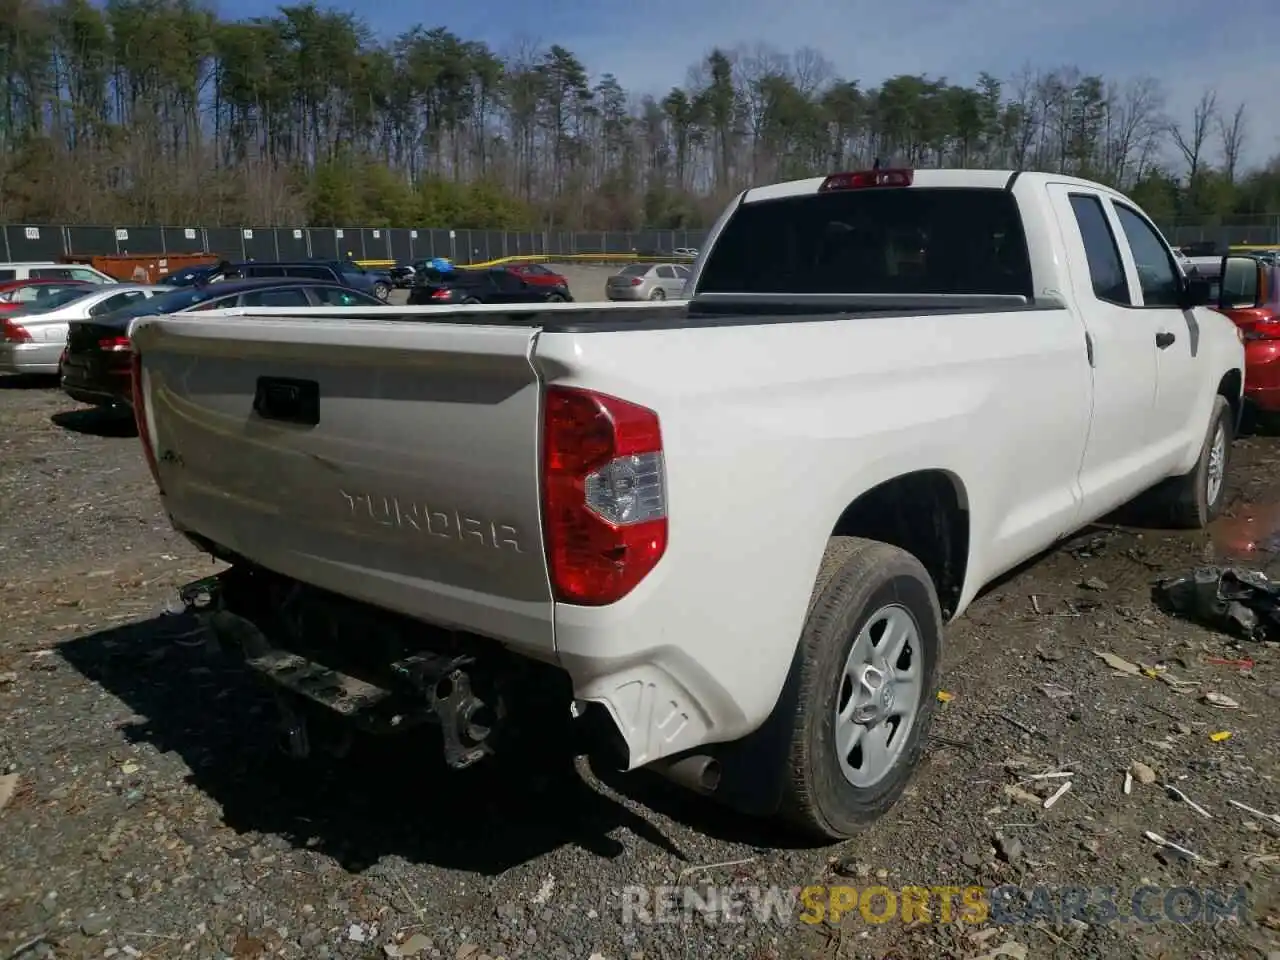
393,463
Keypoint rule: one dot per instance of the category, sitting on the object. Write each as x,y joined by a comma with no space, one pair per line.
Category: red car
17,294
537,274
1250,295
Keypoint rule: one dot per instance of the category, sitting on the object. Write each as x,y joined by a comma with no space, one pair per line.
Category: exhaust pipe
699,773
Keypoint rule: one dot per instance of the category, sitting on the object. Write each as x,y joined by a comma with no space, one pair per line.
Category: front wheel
555,298
381,291
863,688
1195,499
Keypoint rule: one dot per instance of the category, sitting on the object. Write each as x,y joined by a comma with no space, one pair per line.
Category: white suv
52,271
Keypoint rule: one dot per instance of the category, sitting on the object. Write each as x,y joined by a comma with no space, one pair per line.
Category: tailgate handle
287,400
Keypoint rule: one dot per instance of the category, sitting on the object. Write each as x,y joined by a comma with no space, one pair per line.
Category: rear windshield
914,240
635,270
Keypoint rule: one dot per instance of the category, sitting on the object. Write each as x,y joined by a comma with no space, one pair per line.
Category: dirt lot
152,817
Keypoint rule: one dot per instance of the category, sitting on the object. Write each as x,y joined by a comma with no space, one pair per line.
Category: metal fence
42,242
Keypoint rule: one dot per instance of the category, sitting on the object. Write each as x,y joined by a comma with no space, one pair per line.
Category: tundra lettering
392,512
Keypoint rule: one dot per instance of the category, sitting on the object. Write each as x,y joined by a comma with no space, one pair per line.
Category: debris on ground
1119,664
1142,773
8,787
1220,700
1234,600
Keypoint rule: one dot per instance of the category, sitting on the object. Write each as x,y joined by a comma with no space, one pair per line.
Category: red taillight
604,488
14,332
1261,326
636,281
867,178
440,294
140,417
114,344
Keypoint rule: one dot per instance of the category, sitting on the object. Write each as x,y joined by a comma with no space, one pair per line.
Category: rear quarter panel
769,433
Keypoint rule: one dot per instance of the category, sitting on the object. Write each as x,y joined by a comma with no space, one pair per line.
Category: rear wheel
863,688
470,300
556,298
658,294
381,290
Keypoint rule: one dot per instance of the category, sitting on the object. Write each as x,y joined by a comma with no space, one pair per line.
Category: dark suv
345,272
96,362
494,285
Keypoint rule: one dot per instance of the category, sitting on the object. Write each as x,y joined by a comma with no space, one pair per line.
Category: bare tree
1191,142
1136,127
1232,133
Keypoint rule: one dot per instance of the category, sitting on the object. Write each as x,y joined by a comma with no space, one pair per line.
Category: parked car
538,275
725,535
17,294
1247,289
647,281
342,272
493,285
32,338
690,252
96,362
52,271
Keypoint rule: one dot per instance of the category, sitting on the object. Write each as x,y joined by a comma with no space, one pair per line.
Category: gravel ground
150,815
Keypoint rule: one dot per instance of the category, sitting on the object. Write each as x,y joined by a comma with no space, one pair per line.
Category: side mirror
1240,283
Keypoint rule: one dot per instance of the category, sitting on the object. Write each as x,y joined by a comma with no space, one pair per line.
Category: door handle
1164,340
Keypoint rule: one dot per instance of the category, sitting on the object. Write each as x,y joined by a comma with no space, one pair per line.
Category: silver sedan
647,281
32,339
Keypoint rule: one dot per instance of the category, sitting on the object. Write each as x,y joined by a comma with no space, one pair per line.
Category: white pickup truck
726,532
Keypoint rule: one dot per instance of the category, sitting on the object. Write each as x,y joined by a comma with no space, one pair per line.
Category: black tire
381,291
1192,501
469,301
857,580
658,294
555,298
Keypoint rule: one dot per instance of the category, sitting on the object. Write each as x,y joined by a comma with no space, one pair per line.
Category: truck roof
947,178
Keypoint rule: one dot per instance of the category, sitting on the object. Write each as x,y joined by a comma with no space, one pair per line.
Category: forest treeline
159,112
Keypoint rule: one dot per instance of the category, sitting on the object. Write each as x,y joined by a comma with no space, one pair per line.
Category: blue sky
650,45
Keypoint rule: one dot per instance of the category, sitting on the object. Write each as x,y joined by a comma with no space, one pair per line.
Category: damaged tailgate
392,462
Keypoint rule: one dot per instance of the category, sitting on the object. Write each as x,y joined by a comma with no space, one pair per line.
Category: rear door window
281,297
337,297
908,240
51,273
118,302
1106,270
311,273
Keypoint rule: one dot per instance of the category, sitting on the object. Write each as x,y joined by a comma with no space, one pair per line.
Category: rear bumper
96,383
29,358
624,293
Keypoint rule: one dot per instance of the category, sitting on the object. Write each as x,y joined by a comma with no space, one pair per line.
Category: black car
348,273
494,285
96,365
